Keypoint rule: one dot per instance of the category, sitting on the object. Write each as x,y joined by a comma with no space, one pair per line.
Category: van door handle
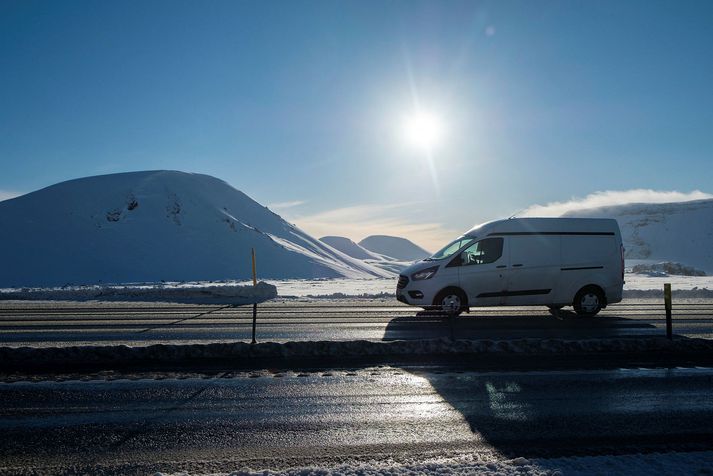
501,266
517,265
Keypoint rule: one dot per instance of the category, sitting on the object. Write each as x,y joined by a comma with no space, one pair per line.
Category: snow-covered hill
399,248
680,232
348,247
152,226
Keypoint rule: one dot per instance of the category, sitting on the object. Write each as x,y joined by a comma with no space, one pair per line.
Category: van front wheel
588,301
452,301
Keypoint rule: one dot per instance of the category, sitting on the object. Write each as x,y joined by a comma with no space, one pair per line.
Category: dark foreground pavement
224,421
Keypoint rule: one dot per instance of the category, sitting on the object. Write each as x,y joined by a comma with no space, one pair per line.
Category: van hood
419,266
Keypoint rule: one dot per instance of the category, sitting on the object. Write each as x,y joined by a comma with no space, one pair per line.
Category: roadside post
667,303
255,303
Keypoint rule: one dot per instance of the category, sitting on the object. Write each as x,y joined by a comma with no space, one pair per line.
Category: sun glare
422,131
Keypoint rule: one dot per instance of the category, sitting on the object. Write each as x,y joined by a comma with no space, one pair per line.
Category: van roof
545,225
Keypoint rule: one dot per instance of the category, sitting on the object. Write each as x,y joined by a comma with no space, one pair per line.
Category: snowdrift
155,226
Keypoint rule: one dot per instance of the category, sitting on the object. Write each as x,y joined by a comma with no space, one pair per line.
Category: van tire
452,301
588,301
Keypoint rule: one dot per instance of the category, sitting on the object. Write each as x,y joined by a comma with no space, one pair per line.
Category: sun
422,130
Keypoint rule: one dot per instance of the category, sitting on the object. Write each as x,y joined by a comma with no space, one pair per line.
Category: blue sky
299,104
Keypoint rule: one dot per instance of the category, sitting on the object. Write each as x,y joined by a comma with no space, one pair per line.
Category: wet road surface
227,421
73,323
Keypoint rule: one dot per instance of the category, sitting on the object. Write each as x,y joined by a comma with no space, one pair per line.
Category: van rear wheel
589,301
452,301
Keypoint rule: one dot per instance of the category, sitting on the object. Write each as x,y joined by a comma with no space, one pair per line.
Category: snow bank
676,293
640,286
699,462
666,268
321,288
291,352
205,294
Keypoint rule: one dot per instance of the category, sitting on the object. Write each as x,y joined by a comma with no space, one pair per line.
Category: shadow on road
555,415
560,324
159,326
542,415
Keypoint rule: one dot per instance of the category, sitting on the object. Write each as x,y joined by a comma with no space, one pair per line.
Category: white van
553,262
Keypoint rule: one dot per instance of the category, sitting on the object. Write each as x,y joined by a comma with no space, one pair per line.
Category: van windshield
452,247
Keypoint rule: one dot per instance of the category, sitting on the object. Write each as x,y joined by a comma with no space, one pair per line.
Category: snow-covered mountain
348,247
396,247
152,226
681,232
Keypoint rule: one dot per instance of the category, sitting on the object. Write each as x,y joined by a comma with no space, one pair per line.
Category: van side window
484,251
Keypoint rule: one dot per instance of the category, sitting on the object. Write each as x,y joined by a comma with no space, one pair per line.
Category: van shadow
552,414
561,324
519,407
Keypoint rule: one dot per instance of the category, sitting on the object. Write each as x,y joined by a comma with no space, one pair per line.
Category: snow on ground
637,285
643,281
335,288
189,290
699,463
196,293
695,286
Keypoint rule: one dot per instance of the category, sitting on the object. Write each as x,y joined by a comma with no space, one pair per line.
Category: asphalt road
73,323
270,419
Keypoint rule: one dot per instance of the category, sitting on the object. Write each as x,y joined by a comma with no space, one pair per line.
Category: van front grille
403,281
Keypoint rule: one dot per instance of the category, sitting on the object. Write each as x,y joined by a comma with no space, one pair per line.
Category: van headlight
427,273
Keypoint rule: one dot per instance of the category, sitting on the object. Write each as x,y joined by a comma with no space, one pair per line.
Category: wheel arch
453,289
592,286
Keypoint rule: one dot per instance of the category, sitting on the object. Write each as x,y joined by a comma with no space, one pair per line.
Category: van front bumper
407,295
413,297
